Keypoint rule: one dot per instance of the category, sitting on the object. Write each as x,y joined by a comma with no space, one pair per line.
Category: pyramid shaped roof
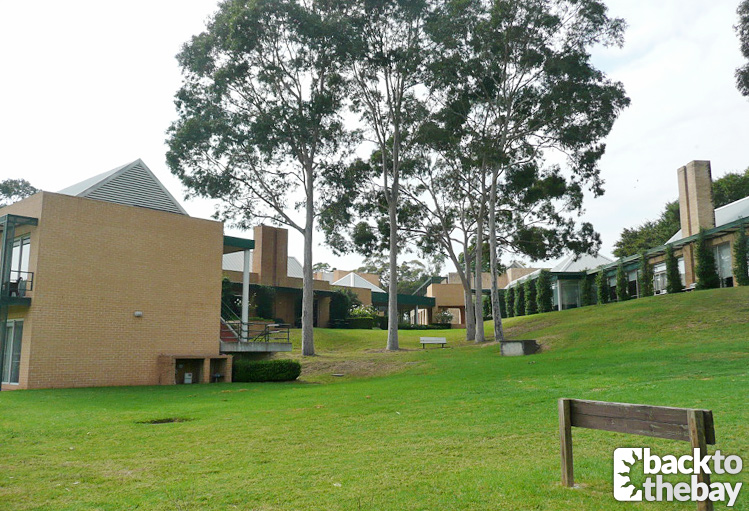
354,280
132,184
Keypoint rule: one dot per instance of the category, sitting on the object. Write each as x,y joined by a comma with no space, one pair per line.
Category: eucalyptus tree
742,29
386,72
520,76
259,116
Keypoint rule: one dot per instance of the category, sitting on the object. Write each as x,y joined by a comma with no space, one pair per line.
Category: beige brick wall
96,264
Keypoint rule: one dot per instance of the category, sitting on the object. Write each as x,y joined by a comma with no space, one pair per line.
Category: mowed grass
457,428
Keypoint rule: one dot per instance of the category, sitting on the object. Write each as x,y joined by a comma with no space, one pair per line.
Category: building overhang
419,301
233,244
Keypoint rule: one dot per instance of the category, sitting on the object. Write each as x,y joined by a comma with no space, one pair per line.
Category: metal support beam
245,295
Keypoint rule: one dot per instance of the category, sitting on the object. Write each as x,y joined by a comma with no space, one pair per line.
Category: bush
587,295
707,275
673,278
382,322
622,283
360,323
645,277
244,370
409,326
340,304
602,287
543,291
520,300
510,302
443,317
529,290
741,258
502,303
363,311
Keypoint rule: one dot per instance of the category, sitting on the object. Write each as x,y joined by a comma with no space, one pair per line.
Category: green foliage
265,297
363,311
13,190
650,234
443,317
543,291
520,300
322,267
486,306
341,303
510,302
742,29
707,273
360,323
622,283
741,257
502,303
409,326
645,277
245,370
231,304
673,277
587,290
529,290
602,287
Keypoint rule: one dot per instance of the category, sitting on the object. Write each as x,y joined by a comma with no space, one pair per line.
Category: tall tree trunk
308,298
479,274
393,286
468,296
499,334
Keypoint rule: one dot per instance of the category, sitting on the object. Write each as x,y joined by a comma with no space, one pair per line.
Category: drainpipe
245,295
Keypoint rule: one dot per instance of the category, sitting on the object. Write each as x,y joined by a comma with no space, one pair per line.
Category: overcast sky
87,86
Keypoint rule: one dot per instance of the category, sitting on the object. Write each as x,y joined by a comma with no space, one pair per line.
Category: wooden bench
432,340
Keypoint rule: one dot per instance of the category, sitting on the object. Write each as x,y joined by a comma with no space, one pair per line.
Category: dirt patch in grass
320,366
164,420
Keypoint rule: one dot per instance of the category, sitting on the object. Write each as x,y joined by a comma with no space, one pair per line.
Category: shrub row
244,370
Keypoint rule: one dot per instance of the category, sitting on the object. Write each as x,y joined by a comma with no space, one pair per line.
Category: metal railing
20,282
257,331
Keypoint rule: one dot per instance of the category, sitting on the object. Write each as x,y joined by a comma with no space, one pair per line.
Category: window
632,284
659,278
682,270
723,264
12,355
19,265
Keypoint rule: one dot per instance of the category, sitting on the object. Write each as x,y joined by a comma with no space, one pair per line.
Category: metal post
9,232
245,296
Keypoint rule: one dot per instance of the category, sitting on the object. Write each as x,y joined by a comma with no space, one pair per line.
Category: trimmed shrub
381,322
707,274
360,323
520,300
502,303
622,283
529,290
543,291
409,326
673,278
510,302
341,303
602,287
645,277
244,370
587,293
741,257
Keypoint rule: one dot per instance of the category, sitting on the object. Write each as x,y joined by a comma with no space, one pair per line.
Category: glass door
12,352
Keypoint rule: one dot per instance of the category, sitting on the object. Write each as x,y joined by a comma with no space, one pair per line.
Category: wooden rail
691,425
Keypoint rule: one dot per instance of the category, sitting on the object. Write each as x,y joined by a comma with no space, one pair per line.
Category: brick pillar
205,377
696,197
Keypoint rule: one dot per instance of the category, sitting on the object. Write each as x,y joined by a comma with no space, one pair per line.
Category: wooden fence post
565,439
697,439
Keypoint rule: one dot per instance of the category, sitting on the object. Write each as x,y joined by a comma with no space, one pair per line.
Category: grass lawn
457,428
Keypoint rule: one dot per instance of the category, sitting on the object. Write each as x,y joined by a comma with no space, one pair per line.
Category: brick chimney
270,255
696,197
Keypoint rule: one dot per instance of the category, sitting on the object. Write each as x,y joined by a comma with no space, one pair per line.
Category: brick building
109,282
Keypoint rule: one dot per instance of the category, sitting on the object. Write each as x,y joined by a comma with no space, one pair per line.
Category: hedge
244,370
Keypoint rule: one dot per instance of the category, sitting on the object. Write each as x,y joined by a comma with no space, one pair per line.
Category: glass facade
12,355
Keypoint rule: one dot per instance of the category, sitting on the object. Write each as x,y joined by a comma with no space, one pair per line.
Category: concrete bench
432,340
